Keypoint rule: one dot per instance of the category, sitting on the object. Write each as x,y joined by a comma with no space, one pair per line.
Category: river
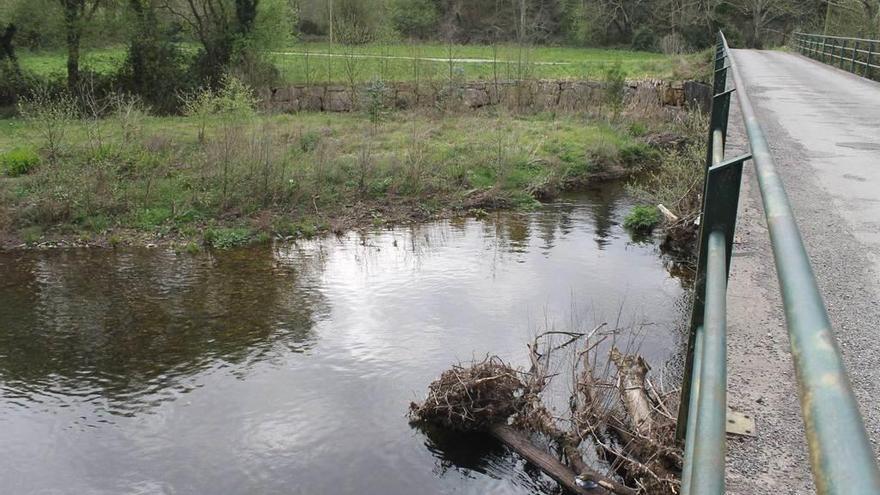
289,368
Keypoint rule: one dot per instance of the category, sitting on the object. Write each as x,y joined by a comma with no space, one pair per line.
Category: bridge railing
841,457
857,55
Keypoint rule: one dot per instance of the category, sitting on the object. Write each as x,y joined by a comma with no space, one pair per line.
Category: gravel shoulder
822,127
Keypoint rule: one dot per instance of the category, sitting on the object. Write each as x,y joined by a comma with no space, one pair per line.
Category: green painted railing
841,457
857,55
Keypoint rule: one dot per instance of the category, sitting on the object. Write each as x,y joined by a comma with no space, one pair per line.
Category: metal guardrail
857,55
841,457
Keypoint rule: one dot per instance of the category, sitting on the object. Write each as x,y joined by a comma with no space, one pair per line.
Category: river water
289,369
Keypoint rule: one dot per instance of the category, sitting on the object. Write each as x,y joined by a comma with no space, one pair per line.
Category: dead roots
620,416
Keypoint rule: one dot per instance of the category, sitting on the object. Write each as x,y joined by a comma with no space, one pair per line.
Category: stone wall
558,95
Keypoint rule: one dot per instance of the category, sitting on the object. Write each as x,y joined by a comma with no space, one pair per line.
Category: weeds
18,161
676,183
225,238
129,113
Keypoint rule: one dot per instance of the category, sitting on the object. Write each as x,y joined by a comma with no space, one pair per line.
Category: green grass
54,64
642,219
317,62
322,62
18,161
298,175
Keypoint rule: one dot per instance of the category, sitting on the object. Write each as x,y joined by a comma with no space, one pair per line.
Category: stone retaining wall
561,95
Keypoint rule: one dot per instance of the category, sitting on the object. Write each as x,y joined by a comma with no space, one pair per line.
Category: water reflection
473,455
123,326
288,369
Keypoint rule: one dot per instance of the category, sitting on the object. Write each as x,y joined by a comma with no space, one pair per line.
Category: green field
310,62
54,64
316,62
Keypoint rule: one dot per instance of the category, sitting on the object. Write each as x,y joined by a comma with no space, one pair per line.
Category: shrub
50,114
18,161
192,248
376,106
14,82
637,129
603,155
32,234
149,218
638,154
155,70
642,219
308,141
644,40
223,238
233,100
672,44
414,18
254,68
311,28
615,88
677,180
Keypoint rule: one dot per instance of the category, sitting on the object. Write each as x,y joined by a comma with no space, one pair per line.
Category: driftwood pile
473,397
617,414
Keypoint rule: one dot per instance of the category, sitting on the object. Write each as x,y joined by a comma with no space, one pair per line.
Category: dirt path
823,126
423,59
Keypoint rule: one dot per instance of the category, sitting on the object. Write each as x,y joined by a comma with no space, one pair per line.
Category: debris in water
623,418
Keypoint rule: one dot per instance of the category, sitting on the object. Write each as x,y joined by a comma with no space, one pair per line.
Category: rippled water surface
290,369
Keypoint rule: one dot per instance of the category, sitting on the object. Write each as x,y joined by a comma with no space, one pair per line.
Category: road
823,125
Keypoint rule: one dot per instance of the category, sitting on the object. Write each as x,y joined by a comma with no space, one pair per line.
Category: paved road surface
823,126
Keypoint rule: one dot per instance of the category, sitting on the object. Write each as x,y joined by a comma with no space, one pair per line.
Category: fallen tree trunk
631,371
545,461
636,439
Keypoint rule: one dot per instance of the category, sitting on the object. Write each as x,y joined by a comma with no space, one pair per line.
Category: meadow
221,179
322,62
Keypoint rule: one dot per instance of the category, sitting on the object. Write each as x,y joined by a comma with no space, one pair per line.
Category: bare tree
866,11
762,13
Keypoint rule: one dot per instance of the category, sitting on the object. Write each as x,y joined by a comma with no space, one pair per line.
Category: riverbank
226,180
221,180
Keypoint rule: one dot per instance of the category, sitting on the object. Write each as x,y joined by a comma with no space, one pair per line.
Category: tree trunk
71,25
756,29
562,474
246,14
631,371
136,47
8,51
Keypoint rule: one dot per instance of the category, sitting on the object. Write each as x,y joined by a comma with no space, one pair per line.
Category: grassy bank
228,179
315,62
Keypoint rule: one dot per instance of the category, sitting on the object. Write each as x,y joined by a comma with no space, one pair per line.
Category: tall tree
77,13
153,67
762,13
866,13
217,25
7,50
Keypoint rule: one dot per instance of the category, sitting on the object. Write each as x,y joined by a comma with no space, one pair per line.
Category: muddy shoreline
359,216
